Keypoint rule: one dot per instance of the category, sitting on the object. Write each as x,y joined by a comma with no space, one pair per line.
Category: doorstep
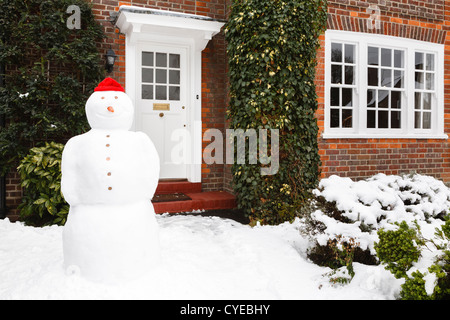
211,200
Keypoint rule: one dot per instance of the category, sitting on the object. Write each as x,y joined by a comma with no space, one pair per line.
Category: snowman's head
109,107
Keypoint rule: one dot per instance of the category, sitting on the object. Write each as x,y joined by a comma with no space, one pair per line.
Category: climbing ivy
50,70
272,59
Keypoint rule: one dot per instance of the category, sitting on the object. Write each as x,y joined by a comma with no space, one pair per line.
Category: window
160,76
382,86
342,85
424,74
385,79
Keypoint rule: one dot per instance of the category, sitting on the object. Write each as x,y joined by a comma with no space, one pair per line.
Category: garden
384,237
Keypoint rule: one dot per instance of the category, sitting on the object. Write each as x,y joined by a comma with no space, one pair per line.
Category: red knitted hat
109,84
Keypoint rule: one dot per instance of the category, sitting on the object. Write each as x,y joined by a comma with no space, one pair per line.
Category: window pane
174,60
383,99
430,62
147,92
161,92
334,118
147,75
417,120
386,57
347,97
396,99
161,59
398,79
383,119
426,120
419,61
336,74
371,119
348,75
417,100
349,53
346,118
174,93
395,120
372,56
372,76
398,59
336,52
386,78
426,104
147,59
174,77
419,80
371,98
161,76
429,77
334,100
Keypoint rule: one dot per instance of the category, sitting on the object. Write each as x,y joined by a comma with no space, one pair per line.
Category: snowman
109,176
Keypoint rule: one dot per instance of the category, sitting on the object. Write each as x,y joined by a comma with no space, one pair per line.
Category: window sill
383,136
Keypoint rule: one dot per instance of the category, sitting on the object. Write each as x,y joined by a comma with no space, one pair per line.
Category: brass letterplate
161,106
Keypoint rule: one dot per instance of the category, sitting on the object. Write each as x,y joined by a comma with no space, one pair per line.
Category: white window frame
407,131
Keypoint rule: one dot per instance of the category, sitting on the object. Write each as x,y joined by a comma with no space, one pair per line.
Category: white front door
162,104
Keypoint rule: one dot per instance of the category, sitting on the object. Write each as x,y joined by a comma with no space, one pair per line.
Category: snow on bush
352,212
379,202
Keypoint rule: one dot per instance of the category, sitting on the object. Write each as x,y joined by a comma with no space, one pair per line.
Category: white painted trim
154,27
407,131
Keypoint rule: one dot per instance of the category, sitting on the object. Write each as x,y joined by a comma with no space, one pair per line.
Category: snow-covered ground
202,258
212,258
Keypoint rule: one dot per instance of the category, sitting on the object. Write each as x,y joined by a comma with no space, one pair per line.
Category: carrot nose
110,109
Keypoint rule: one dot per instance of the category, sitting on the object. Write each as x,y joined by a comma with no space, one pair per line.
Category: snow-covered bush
427,275
350,214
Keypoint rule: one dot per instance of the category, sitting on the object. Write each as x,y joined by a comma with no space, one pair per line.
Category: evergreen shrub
400,249
272,59
40,172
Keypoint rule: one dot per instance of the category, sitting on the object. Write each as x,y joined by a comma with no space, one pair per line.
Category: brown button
108,136
109,174
109,188
108,158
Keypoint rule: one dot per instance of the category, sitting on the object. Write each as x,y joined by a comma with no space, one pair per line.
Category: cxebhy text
229,309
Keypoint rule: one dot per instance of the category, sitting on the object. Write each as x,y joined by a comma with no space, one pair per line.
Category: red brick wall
356,158
13,194
214,103
359,158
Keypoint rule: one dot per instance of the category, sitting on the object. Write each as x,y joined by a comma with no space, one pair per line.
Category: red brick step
212,200
182,186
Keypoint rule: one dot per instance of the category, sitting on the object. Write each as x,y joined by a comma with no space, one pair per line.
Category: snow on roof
136,9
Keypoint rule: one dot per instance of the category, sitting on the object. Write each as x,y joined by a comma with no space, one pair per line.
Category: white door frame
169,29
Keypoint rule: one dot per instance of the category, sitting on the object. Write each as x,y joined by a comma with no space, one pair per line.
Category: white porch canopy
138,23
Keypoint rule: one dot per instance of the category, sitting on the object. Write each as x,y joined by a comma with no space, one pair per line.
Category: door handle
161,115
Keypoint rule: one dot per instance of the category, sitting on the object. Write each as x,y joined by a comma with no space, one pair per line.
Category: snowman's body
109,176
